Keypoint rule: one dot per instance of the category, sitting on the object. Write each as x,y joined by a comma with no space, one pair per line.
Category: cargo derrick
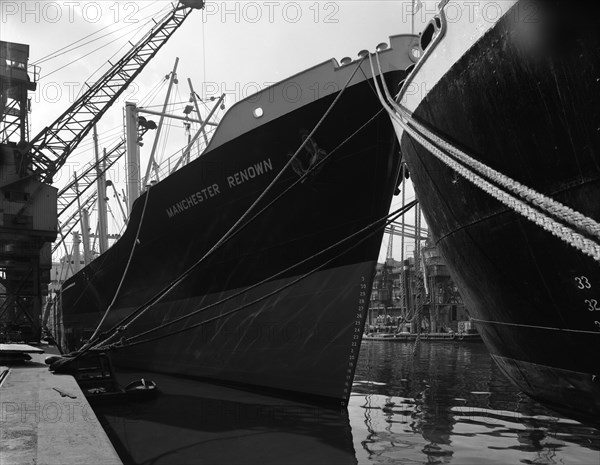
28,201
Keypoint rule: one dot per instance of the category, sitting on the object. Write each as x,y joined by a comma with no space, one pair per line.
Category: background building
418,289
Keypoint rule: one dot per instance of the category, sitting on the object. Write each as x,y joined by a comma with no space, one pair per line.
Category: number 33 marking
582,282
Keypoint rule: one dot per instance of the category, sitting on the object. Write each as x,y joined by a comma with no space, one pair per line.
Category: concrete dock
46,419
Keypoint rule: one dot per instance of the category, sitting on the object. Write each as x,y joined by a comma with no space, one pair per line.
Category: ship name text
236,179
250,173
193,200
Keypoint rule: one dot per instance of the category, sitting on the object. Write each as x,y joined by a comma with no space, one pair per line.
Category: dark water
450,404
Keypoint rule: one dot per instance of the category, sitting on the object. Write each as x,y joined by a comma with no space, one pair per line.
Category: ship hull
527,107
296,284
298,338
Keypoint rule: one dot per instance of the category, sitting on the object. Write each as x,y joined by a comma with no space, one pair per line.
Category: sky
230,47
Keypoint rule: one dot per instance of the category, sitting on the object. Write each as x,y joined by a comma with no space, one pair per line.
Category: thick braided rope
541,201
562,212
585,245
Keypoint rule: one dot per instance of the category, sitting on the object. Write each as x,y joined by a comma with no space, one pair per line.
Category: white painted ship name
234,180
250,173
193,200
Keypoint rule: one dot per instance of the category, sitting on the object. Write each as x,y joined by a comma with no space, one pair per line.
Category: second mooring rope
545,205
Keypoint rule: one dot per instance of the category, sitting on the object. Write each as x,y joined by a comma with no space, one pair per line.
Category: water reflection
192,422
450,404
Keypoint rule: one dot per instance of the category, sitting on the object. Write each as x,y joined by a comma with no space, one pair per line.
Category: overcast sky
232,47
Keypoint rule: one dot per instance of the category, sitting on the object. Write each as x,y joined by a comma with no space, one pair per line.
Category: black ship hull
302,333
523,99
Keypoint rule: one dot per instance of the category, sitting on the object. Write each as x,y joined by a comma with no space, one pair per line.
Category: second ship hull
522,97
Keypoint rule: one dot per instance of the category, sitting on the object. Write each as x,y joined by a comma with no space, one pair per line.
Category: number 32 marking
592,305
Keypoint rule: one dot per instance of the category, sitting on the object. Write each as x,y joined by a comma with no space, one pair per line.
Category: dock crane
28,201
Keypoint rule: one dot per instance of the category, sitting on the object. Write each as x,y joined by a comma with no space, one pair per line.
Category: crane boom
49,150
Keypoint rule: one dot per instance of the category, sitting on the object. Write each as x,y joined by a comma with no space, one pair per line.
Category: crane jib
49,150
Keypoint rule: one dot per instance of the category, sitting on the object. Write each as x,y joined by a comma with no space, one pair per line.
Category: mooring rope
122,280
386,220
543,202
547,328
270,278
587,246
122,325
298,181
